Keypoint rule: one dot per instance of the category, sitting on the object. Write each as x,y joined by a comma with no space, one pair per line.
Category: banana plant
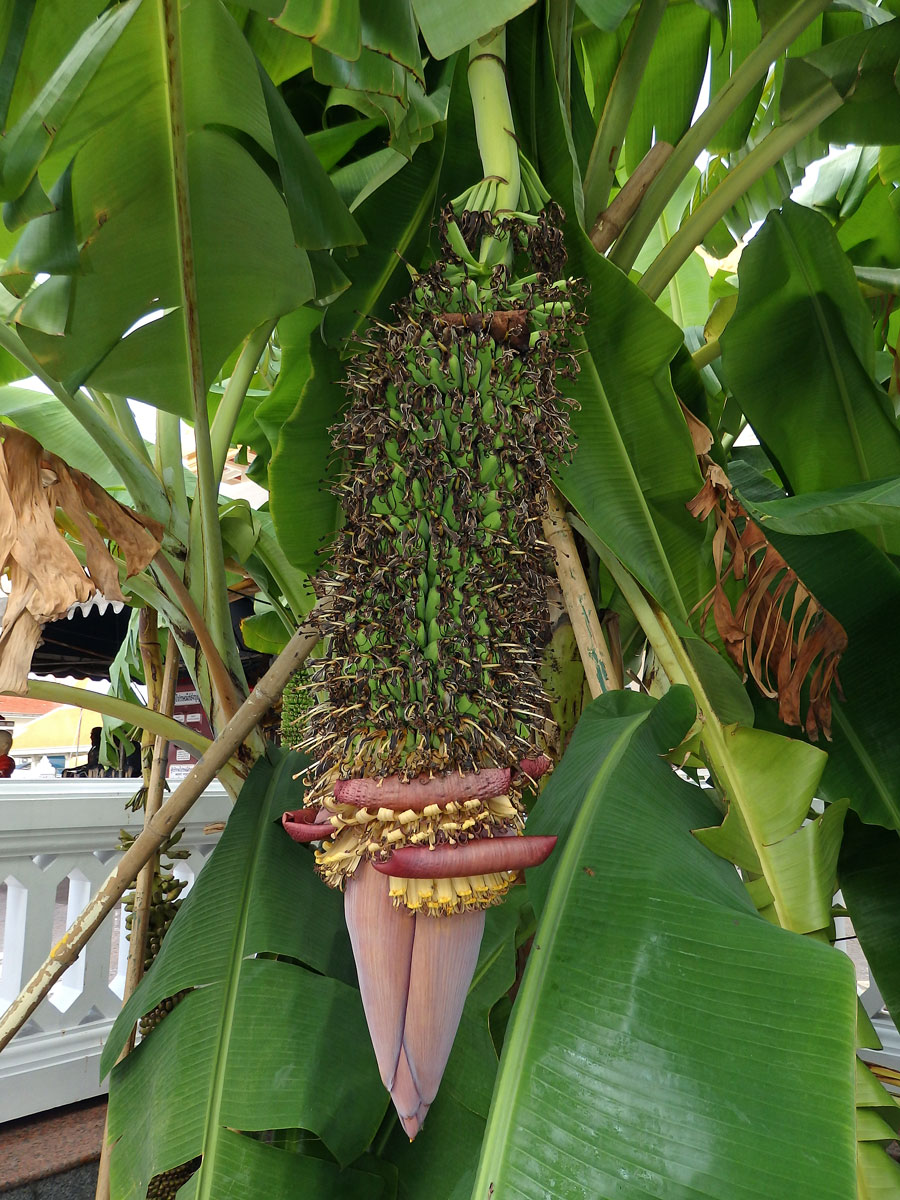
237,215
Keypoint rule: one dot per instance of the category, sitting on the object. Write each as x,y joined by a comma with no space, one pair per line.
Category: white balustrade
58,841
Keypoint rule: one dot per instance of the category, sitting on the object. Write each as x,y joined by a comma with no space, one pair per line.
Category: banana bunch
165,901
166,1185
165,897
438,578
295,703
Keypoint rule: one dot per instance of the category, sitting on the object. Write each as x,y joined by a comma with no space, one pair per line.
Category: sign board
189,711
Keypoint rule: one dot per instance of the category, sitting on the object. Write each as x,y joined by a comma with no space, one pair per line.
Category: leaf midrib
512,1065
231,981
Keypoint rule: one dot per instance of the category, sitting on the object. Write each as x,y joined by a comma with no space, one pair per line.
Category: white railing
58,842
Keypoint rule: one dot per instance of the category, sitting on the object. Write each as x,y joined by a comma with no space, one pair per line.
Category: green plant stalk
121,415
218,673
170,468
206,560
147,493
604,158
225,420
674,290
675,661
291,580
122,710
720,108
762,158
494,128
706,354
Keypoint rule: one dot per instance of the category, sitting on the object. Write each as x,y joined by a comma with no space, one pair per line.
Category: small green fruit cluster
165,897
165,1186
296,702
438,578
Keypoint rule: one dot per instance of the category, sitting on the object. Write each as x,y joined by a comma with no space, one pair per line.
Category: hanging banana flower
435,716
431,716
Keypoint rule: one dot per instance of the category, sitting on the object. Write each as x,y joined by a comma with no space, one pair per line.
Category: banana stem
495,133
706,354
736,183
164,701
613,220
226,689
121,710
494,126
600,667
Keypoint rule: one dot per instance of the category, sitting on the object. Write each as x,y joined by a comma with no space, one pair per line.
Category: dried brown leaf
777,632
700,434
45,575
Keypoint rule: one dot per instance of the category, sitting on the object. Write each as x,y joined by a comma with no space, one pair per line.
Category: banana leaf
798,354
449,27
220,263
27,142
629,1066
869,874
271,1033
634,468
857,506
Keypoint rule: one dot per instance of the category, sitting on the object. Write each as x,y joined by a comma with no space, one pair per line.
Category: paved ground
53,1156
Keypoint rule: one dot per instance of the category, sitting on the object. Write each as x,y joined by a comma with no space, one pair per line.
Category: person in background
93,755
7,764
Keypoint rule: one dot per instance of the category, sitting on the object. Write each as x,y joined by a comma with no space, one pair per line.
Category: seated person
7,764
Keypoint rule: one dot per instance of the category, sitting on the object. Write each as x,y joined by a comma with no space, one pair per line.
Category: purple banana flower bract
414,973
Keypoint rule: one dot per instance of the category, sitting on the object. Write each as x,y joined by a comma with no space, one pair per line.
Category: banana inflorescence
438,579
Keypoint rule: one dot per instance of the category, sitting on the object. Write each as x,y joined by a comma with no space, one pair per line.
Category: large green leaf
449,27
317,222
217,257
869,873
384,78
799,356
606,14
28,141
334,26
635,468
671,85
858,506
863,69
246,1169
730,45
48,421
629,1066
255,1044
